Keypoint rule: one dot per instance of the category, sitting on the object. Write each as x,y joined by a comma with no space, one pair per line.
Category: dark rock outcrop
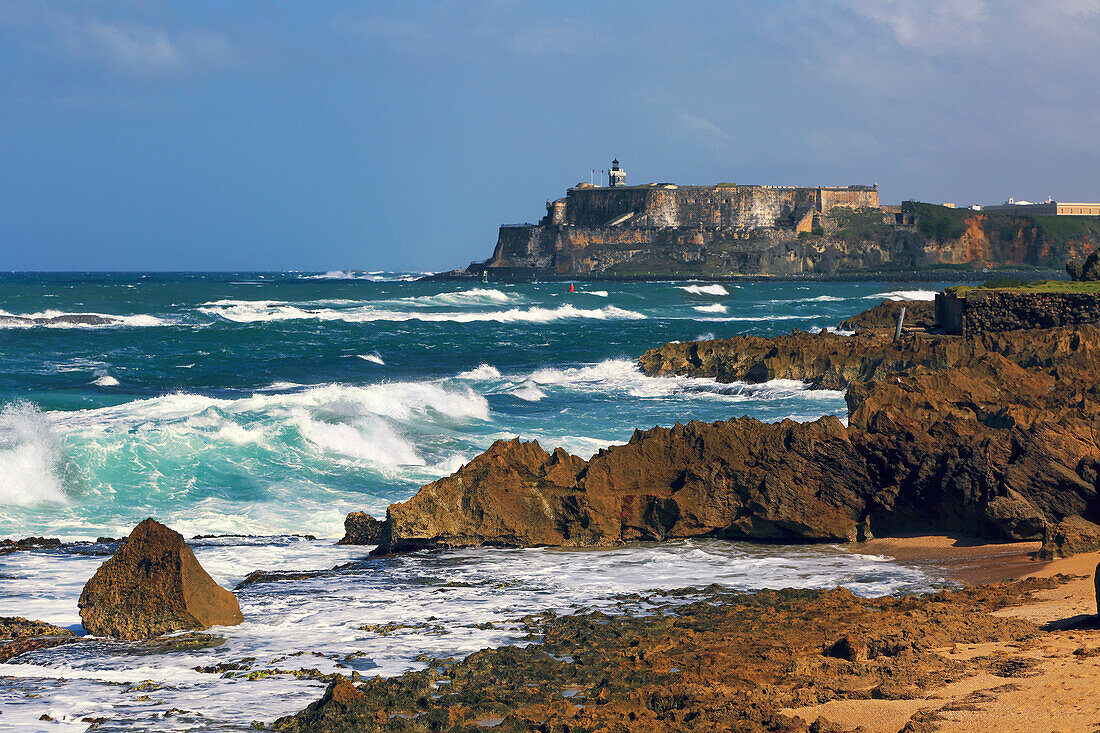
704,660
1071,536
28,543
992,436
918,314
361,528
153,585
19,635
1087,270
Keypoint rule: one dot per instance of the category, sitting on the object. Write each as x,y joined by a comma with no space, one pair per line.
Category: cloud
567,38
129,48
700,127
929,24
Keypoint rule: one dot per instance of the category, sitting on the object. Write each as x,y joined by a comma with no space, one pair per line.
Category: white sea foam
529,392
105,380
704,289
473,296
597,293
903,295
262,311
331,615
480,373
374,358
65,319
712,308
30,454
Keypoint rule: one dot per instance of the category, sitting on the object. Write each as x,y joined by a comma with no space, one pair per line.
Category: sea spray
30,457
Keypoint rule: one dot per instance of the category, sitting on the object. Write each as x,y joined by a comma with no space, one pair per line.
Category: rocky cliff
990,436
739,231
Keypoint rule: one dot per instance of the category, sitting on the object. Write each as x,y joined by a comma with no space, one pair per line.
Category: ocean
268,405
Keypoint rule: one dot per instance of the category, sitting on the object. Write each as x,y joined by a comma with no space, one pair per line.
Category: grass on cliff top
1038,286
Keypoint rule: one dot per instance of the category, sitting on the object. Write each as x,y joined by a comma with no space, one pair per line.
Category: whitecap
262,311
597,293
483,372
64,319
714,289
373,357
712,308
30,455
903,295
105,380
529,392
473,296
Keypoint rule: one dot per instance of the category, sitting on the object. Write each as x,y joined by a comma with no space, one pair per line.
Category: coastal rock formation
1071,536
1088,270
730,231
361,528
19,635
918,314
992,436
153,585
702,660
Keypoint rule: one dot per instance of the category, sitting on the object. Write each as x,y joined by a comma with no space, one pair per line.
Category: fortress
727,231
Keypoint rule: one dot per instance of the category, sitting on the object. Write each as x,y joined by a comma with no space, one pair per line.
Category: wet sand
1061,692
966,560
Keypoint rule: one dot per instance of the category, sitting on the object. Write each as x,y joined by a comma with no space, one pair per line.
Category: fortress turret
616,176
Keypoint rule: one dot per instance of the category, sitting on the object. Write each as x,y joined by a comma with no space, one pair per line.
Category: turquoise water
272,404
265,403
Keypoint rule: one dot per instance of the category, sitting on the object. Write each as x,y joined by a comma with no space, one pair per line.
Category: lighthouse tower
616,176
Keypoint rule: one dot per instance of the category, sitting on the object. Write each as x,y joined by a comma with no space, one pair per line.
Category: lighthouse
616,176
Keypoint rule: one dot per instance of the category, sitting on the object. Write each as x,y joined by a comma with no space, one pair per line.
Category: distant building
1044,208
616,176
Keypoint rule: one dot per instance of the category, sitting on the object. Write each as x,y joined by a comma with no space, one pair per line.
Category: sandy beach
1056,688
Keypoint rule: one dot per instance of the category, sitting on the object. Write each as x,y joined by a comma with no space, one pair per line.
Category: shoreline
966,560
938,275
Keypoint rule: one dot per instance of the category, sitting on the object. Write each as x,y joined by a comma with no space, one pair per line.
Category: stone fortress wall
708,207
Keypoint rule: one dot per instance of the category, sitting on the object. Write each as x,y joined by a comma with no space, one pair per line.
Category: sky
317,135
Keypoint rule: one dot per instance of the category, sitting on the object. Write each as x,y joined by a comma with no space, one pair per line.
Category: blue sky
142,134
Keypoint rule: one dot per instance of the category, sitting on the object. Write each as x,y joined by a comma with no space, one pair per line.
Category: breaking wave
30,457
704,289
473,296
903,295
61,319
713,308
249,311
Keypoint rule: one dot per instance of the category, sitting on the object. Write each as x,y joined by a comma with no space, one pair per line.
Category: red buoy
571,289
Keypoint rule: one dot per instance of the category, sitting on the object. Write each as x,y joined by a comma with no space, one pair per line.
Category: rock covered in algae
154,585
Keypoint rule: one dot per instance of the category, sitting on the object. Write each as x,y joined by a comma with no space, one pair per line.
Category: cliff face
989,436
784,232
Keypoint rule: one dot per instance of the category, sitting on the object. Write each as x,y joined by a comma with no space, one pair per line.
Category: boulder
1088,270
1071,536
918,314
361,528
154,585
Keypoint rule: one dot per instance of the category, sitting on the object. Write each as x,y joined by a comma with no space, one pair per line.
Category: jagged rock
1088,270
361,528
918,314
848,647
991,436
28,543
1072,536
153,585
19,635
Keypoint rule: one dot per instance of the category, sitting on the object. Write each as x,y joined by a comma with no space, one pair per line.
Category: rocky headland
989,436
